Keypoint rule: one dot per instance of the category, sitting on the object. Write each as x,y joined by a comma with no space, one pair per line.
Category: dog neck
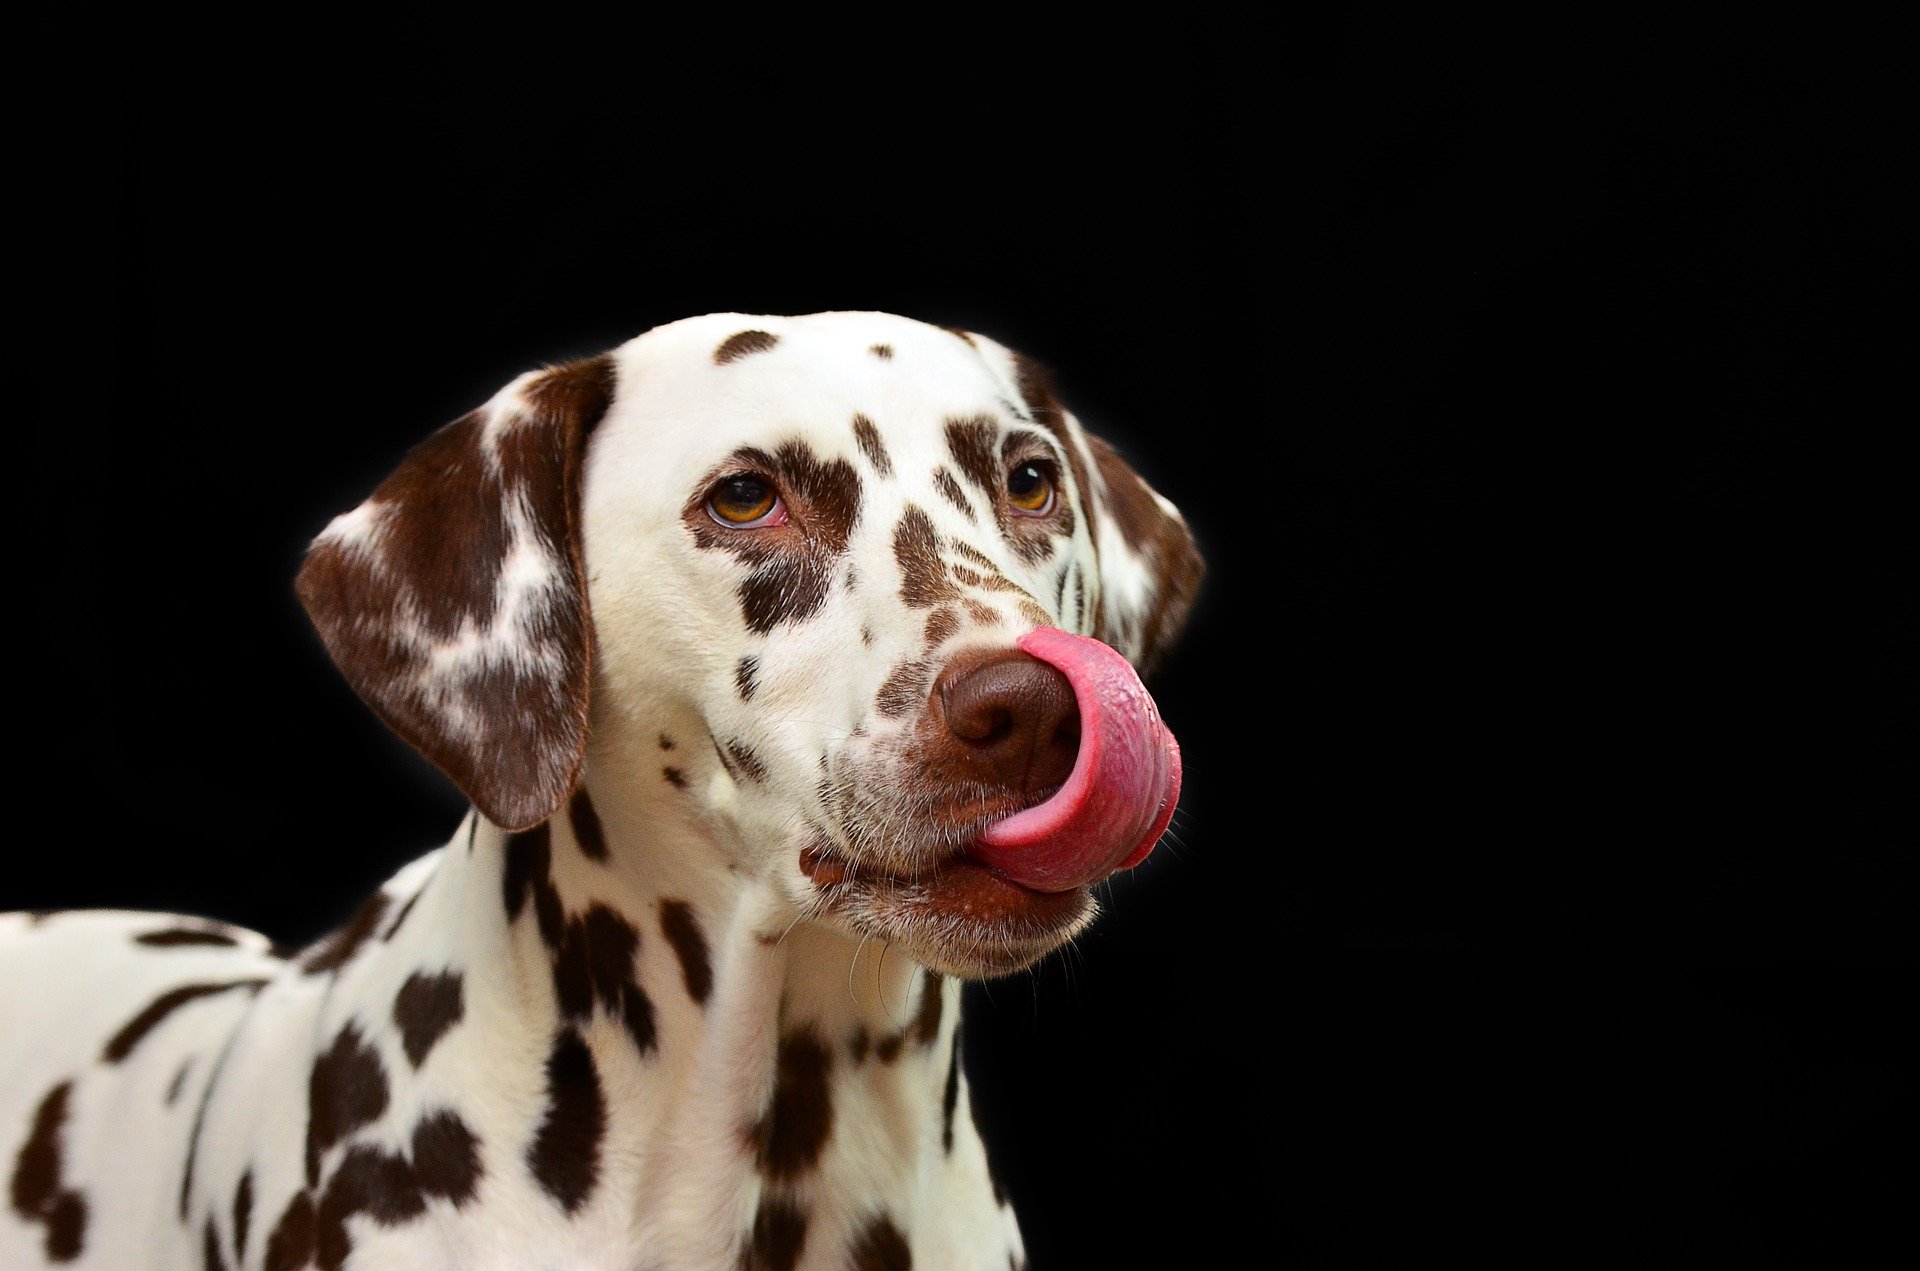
720,1083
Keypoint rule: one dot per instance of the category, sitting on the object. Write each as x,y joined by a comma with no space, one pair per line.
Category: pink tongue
1117,801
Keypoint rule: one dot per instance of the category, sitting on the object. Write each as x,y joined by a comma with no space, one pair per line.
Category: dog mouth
958,913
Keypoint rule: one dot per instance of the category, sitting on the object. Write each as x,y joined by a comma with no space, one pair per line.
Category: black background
1535,885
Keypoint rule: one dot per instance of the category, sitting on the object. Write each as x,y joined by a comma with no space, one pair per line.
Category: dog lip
957,882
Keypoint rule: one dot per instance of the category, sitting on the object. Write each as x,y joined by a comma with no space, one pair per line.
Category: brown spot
880,1247
882,351
675,778
950,1099
179,1080
926,1025
887,1049
1035,614
747,761
779,1234
941,624
869,439
135,1030
594,961
336,950
791,1135
982,614
242,1215
370,1181
666,742
967,577
290,1247
743,344
529,872
905,689
446,1157
950,490
38,1192
923,580
682,929
636,1012
861,1044
174,937
210,1248
1163,543
565,1153
425,1008
510,732
587,831
977,556
866,636
974,444
347,1090
745,677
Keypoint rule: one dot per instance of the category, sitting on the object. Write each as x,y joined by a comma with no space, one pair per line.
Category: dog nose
1015,717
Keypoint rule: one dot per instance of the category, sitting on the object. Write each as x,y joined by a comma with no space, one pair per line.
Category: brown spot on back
743,344
974,444
869,439
791,1135
38,1192
950,491
923,574
242,1214
290,1247
565,1154
347,1090
587,831
135,1030
336,950
174,937
425,1008
682,930
779,1234
882,351
880,1247
446,1157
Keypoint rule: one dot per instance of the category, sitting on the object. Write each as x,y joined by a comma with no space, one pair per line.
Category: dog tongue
1117,801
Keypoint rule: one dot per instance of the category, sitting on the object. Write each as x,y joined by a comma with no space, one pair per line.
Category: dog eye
745,502
1031,489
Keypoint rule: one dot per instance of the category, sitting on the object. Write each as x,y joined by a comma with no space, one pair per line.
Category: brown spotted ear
454,599
1150,568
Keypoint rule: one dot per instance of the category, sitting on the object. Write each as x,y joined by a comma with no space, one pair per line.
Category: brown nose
1015,719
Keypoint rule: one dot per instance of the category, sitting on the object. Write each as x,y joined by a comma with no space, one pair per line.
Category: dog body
722,634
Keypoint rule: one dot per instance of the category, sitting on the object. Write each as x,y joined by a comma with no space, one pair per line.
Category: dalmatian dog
790,666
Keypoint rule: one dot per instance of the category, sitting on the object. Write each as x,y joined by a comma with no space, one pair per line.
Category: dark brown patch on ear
869,438
950,491
880,1247
446,1158
347,1090
38,1192
242,1214
747,761
882,351
565,1154
425,1008
675,778
290,1247
587,831
135,1030
941,624
743,344
336,950
682,929
175,937
779,1234
950,1098
422,571
923,575
746,675
974,444
926,1026
791,1135
905,688
1166,547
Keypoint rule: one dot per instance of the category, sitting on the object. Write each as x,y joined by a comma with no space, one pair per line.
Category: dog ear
1150,567
454,599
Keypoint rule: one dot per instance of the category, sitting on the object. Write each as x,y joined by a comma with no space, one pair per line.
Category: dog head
855,593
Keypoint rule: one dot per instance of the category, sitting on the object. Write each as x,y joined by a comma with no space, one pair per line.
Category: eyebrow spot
743,344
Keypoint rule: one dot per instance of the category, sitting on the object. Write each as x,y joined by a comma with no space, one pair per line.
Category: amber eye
745,502
1031,489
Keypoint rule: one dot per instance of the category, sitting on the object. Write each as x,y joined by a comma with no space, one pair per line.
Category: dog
790,666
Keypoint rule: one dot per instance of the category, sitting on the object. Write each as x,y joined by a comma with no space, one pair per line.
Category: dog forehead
700,387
